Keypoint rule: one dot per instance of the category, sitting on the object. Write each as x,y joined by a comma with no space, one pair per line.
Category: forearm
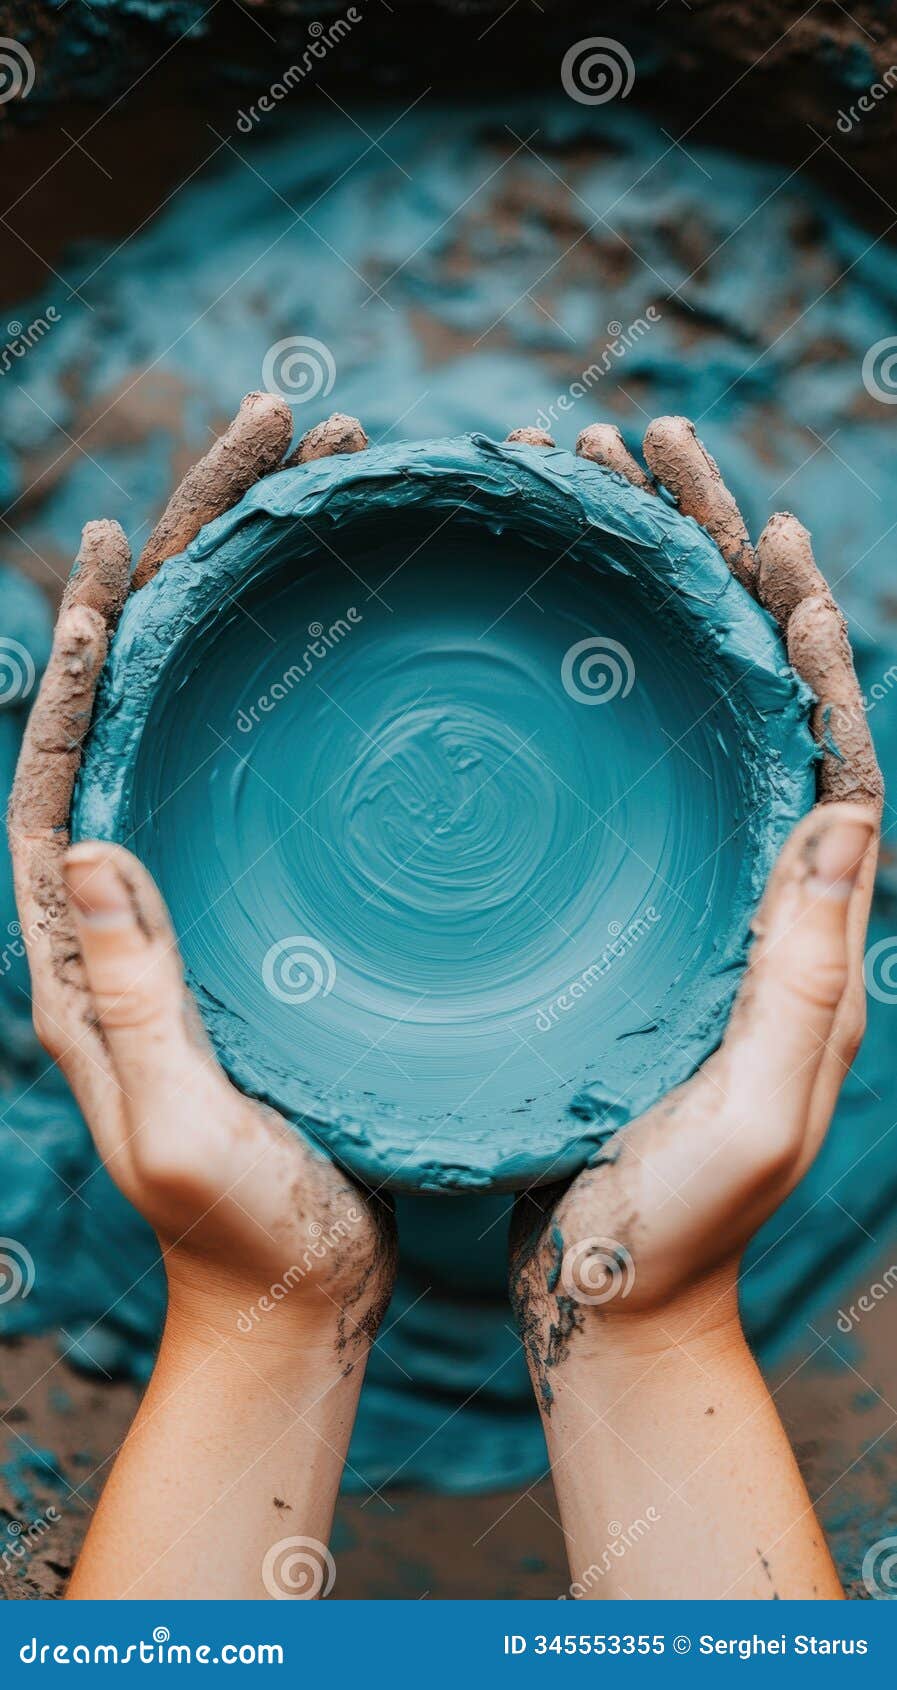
239,1444
673,1472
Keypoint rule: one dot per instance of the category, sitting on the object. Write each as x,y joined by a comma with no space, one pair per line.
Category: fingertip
100,575
530,437
680,461
839,855
273,412
823,857
336,434
602,443
665,432
104,874
250,448
98,894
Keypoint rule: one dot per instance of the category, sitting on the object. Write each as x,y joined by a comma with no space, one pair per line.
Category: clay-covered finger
602,443
101,572
819,649
678,459
51,747
250,448
335,434
787,571
530,437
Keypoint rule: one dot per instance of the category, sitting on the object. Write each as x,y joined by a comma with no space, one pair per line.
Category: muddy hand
235,1195
782,573
685,1187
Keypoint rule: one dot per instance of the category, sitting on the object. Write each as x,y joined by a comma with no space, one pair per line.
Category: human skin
262,1418
257,1230
673,1473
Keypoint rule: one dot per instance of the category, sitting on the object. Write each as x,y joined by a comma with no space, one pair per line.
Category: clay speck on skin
513,898
547,1317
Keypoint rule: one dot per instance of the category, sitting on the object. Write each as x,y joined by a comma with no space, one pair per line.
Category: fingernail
97,890
838,858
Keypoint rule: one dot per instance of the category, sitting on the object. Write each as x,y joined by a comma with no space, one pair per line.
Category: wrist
698,1325
214,1308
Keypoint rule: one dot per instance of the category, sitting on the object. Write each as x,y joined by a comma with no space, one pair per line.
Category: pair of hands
235,1194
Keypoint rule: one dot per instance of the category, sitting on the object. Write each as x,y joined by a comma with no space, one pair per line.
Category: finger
787,579
819,649
676,457
529,437
51,746
796,593
798,971
251,447
336,434
38,834
133,970
602,443
101,572
786,568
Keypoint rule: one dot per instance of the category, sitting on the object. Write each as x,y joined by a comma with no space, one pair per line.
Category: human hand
660,1222
244,1208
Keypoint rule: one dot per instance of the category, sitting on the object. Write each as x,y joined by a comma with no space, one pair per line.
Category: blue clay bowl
462,767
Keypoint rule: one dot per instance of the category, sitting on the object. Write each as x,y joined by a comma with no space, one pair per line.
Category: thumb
132,967
798,971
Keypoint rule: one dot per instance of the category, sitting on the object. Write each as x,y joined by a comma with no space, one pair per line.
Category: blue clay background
443,320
